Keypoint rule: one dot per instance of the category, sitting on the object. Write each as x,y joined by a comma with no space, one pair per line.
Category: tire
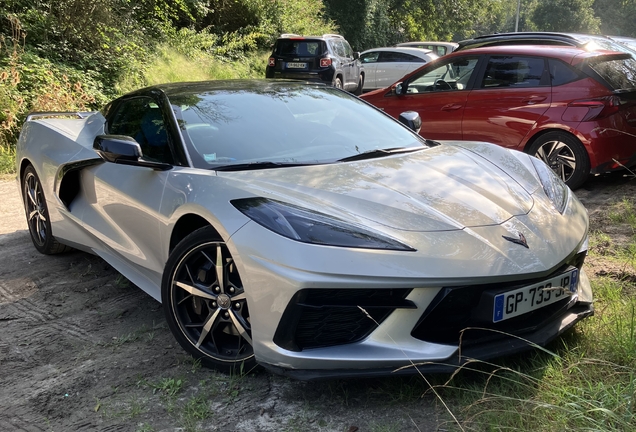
37,215
208,314
358,90
338,83
565,154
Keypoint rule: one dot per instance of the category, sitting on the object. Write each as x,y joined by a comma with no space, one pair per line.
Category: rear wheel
338,83
37,214
205,304
566,156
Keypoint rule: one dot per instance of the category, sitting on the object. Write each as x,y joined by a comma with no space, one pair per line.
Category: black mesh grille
457,308
326,317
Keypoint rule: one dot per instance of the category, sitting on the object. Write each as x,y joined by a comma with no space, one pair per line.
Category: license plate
523,300
296,65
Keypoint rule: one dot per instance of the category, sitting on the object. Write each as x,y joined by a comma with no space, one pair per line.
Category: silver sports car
294,226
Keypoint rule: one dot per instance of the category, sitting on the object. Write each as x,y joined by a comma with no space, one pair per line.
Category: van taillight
271,62
598,107
325,62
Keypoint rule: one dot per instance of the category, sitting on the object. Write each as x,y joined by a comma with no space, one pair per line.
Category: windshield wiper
256,166
370,154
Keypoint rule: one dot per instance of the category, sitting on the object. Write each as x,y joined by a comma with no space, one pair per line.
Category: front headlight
553,186
309,226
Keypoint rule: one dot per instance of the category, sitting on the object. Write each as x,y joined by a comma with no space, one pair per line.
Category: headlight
309,226
553,186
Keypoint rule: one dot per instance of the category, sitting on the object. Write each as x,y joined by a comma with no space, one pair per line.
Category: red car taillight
597,107
325,62
271,62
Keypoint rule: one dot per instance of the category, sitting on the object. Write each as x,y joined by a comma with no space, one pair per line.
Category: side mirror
398,89
412,120
121,149
356,55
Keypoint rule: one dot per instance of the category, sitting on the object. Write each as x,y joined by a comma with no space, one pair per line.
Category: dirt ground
81,349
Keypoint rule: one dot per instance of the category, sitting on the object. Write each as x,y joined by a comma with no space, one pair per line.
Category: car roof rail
288,35
326,35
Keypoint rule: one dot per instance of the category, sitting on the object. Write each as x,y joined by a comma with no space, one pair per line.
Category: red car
574,109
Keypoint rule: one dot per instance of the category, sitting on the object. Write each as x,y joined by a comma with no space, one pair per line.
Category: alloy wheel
559,157
209,304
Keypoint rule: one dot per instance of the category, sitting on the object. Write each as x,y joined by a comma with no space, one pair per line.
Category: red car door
438,93
511,97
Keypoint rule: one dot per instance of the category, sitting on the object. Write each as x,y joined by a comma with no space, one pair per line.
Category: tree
618,17
566,16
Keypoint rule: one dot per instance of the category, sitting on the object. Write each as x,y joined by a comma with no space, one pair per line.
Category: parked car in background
584,41
630,42
575,109
328,59
291,225
439,48
384,66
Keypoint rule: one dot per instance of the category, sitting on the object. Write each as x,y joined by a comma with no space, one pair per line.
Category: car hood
441,188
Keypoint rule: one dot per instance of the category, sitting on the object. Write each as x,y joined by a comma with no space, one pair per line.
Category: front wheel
205,304
358,91
566,156
338,83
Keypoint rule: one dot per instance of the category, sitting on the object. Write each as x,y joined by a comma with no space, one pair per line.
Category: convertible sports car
295,226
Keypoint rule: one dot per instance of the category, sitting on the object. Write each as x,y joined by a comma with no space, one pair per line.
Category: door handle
451,107
533,99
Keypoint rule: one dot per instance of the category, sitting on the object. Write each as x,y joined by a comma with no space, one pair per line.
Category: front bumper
274,279
503,346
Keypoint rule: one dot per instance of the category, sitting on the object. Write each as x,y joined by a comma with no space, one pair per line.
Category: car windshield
620,74
282,124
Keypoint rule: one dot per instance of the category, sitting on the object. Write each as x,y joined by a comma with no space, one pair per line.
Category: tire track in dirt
16,309
18,425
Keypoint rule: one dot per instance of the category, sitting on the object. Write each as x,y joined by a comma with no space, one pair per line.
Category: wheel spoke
30,193
541,154
33,214
240,328
195,291
207,327
238,297
567,160
219,269
552,152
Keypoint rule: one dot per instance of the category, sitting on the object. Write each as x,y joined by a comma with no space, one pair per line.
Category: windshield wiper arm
370,154
256,166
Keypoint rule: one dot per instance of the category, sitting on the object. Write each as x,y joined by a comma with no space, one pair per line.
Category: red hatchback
574,109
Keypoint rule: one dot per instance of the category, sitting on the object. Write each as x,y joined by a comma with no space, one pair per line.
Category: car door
370,63
392,66
123,200
352,68
438,93
512,95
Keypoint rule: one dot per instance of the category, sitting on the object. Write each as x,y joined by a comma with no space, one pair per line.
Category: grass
7,160
623,212
171,66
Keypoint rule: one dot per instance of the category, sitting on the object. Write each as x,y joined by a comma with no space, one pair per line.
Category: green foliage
618,17
29,82
566,16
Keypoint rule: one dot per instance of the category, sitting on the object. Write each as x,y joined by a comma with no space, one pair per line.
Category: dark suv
327,58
